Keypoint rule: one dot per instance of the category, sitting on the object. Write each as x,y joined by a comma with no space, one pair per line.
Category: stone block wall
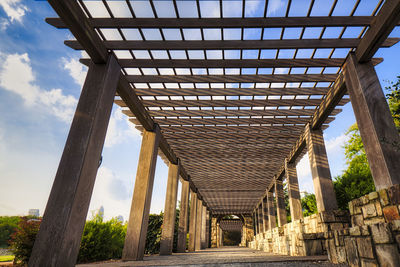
374,238
302,237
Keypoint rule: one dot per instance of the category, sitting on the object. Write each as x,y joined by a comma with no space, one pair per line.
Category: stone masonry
367,236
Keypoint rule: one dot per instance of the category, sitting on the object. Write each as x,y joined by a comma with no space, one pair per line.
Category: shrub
22,240
154,233
8,225
102,240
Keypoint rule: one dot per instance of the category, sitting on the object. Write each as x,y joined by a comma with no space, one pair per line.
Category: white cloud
77,70
335,153
274,5
335,145
119,129
252,6
16,76
111,192
14,10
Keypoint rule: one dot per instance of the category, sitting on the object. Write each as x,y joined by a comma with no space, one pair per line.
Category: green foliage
154,234
8,225
287,204
309,204
394,101
22,240
102,240
356,180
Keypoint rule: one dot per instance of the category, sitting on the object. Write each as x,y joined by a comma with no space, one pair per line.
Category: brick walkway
226,256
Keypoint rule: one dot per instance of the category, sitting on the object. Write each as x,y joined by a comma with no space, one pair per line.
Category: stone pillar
214,232
183,217
378,133
280,203
271,211
139,215
199,211
265,213
203,241
321,174
192,222
59,237
167,234
296,211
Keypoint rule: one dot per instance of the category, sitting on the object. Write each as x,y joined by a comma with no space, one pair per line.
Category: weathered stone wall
302,237
374,238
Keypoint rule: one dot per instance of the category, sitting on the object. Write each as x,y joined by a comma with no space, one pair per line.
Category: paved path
226,256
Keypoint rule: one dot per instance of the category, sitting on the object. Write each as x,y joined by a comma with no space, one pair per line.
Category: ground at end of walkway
225,256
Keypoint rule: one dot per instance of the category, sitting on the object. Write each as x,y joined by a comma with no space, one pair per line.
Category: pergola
230,103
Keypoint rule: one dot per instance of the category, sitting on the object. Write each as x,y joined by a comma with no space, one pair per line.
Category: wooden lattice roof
231,90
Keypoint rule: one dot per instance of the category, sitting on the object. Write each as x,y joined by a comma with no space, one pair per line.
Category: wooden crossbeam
230,63
235,103
380,28
231,121
231,91
276,78
334,21
232,44
231,112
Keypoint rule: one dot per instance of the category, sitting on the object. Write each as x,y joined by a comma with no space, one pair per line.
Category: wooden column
203,228
321,174
208,233
296,211
199,211
167,234
265,213
192,221
183,217
256,221
218,236
260,219
378,132
139,215
280,203
214,232
271,211
59,238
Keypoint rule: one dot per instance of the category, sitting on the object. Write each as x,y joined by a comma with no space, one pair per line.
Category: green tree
309,204
394,101
356,180
8,225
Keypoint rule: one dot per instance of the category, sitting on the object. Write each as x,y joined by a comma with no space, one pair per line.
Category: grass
6,258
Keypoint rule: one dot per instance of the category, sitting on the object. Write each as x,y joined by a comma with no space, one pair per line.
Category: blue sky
40,82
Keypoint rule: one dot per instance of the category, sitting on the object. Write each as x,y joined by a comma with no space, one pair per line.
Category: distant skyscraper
33,212
120,218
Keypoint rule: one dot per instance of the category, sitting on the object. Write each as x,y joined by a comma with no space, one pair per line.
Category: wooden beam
230,63
334,21
230,121
78,24
332,99
231,91
232,44
273,78
230,112
381,27
233,103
